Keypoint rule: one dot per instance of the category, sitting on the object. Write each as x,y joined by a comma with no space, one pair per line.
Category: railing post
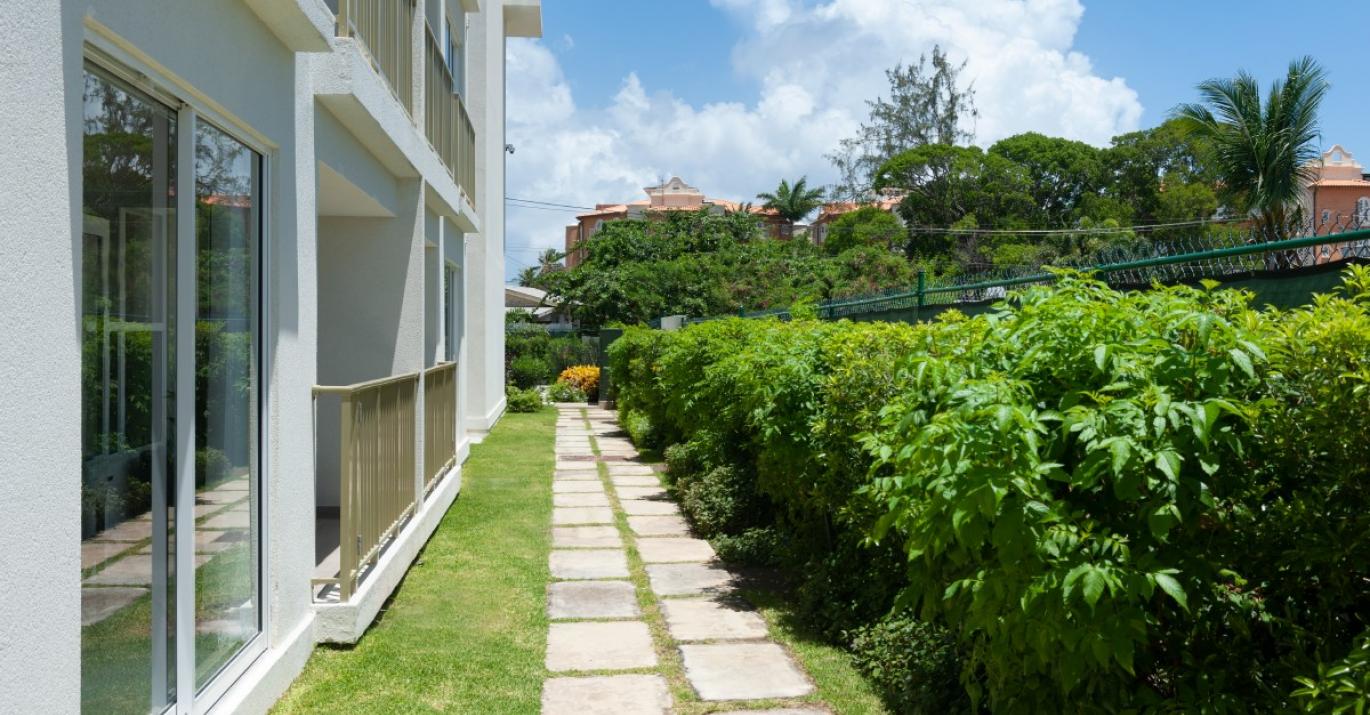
347,527
344,12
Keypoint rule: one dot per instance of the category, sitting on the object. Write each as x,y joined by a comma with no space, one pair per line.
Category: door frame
112,55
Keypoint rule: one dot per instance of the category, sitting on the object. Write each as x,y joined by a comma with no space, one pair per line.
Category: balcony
446,122
384,31
383,28
379,484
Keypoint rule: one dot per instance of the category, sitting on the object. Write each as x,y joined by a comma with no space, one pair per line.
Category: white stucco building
253,307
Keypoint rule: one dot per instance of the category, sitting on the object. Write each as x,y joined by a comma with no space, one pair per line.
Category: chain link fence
1282,272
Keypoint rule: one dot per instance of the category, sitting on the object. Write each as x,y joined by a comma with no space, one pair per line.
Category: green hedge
1153,500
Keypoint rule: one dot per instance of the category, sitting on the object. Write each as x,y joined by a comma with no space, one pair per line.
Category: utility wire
548,203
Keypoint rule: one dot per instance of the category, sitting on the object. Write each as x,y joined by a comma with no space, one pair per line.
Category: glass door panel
128,401
227,221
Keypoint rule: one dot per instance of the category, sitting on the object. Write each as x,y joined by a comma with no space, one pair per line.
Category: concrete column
485,252
291,335
40,358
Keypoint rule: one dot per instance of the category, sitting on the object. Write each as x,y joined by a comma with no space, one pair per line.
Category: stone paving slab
644,507
674,550
132,570
571,515
688,579
743,671
94,553
656,493
612,645
634,480
586,537
589,563
631,470
577,486
691,619
576,475
231,519
606,695
592,599
658,525
97,604
778,711
581,499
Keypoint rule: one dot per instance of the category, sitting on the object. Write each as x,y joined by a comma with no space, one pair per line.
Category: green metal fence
1282,273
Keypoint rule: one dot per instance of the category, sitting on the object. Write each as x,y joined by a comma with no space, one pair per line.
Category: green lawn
467,630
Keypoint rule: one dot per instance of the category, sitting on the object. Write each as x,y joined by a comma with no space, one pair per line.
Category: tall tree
792,203
926,105
1262,151
528,277
1062,172
550,260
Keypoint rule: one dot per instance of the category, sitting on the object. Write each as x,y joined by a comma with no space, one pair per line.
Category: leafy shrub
752,547
639,428
1105,496
565,392
915,666
529,400
720,501
529,371
558,352
584,377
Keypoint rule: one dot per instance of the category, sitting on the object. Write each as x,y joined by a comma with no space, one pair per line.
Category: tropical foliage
792,203
1262,151
1086,500
700,264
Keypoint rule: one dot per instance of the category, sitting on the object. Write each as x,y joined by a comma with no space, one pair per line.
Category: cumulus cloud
814,66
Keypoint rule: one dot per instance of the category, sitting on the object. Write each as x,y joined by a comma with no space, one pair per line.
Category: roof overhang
523,18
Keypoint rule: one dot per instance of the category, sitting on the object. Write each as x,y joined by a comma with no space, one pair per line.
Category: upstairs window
456,52
1363,211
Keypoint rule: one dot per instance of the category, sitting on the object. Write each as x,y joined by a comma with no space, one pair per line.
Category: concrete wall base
271,675
487,422
346,622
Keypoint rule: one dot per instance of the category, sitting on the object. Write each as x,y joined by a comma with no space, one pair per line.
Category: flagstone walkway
643,618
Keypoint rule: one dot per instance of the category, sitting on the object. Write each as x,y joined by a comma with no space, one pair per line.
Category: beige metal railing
439,422
386,29
378,490
446,122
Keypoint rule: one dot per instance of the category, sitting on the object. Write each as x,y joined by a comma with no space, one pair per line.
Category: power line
542,208
549,203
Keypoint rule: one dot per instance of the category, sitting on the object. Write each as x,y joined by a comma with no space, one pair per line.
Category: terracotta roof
1343,182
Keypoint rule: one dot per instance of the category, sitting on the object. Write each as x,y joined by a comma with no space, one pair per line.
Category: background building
673,195
1340,195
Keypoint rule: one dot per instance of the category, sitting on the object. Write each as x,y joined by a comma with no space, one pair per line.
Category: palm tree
792,203
529,276
550,260
1263,153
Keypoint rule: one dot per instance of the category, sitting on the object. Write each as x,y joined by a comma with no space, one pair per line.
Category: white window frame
121,59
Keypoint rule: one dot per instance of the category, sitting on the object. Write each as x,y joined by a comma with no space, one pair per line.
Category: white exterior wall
259,67
485,251
40,361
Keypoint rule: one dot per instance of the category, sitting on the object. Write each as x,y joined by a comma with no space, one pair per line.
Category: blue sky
733,95
1162,48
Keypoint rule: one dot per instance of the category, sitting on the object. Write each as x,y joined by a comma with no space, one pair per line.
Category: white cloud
815,65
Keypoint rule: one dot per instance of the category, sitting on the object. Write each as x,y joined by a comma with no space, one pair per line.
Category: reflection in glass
128,401
226,225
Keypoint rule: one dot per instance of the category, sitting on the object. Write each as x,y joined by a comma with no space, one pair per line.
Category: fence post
922,288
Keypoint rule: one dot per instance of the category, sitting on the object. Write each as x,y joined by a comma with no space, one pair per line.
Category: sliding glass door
144,283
